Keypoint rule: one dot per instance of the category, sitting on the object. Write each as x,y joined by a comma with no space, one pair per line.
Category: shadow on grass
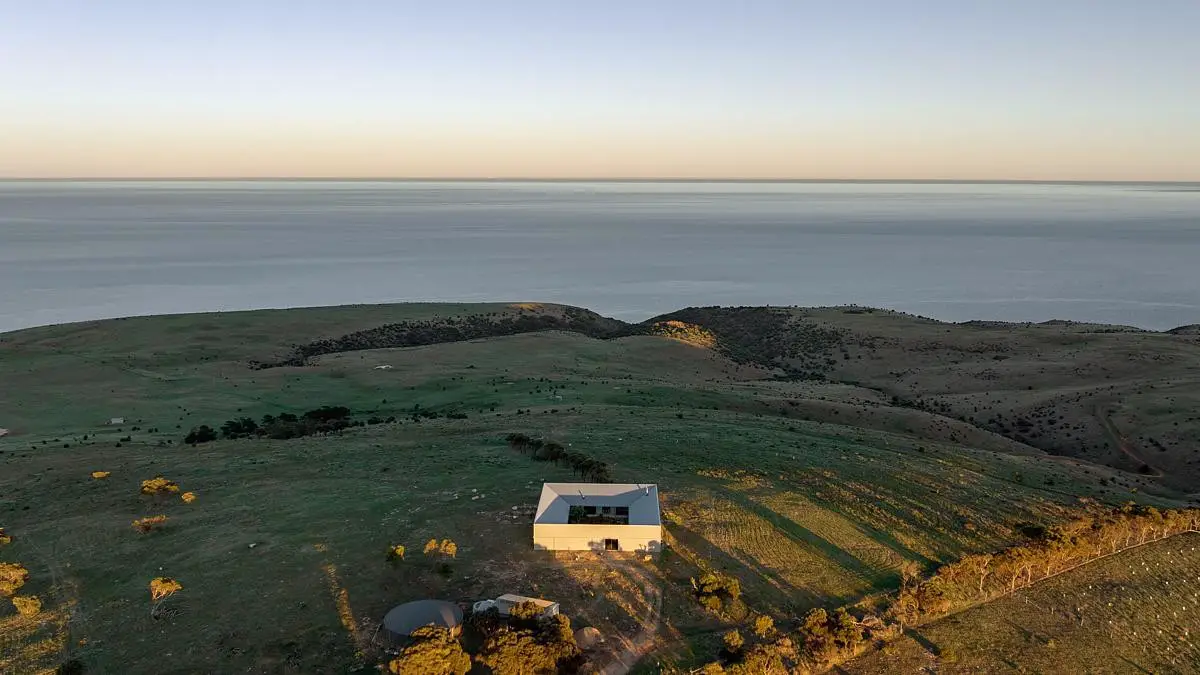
807,538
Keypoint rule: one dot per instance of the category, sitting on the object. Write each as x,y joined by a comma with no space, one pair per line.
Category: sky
886,89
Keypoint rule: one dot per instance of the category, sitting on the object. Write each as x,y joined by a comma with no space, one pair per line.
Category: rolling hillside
809,453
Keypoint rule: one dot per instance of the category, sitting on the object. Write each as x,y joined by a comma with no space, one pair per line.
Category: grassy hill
810,453
1136,612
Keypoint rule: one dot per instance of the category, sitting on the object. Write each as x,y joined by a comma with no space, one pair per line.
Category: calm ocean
1126,254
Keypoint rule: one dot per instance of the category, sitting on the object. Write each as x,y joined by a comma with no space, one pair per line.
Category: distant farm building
116,420
598,517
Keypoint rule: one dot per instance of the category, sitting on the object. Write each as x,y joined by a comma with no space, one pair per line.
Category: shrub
448,548
434,651
149,523
5,538
764,626
733,642
159,486
431,547
101,475
395,553
12,577
27,605
162,588
188,497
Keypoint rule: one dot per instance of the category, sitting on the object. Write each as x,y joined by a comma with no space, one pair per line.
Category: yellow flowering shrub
159,485
12,577
101,475
162,588
188,497
27,605
149,523
5,538
396,552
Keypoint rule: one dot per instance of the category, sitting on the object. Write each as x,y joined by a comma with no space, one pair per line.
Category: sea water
1110,253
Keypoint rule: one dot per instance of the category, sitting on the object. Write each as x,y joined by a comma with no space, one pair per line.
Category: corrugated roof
557,499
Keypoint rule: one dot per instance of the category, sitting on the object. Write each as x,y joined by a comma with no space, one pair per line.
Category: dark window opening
611,545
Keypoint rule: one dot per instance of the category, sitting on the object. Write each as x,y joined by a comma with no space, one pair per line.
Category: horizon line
581,179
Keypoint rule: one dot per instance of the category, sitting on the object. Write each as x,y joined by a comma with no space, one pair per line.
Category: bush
12,577
435,650
5,538
395,553
27,605
159,486
150,523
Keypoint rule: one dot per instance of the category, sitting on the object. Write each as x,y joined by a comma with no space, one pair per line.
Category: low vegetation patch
150,523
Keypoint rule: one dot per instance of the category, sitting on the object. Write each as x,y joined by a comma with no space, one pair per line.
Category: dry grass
1136,612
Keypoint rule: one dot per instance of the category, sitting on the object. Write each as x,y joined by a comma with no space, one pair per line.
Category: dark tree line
550,451
324,420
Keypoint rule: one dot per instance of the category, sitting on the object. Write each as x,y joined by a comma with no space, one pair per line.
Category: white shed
506,602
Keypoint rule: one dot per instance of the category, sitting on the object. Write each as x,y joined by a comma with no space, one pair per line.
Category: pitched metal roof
554,507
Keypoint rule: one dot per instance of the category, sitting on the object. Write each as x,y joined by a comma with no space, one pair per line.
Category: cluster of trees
984,576
525,644
324,420
825,639
685,332
457,329
530,643
822,640
712,589
550,451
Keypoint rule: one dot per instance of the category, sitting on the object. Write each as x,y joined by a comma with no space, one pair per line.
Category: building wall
559,537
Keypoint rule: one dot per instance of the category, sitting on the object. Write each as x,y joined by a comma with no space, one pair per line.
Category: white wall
583,537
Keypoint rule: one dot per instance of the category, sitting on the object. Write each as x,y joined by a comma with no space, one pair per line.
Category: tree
200,434
448,548
162,588
435,650
431,547
764,626
733,642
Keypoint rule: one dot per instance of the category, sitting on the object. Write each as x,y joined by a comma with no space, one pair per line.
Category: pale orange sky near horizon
1012,90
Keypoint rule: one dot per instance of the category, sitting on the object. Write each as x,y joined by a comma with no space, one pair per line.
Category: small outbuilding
402,620
506,602
116,420
598,517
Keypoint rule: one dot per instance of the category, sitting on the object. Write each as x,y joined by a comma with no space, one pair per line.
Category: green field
812,492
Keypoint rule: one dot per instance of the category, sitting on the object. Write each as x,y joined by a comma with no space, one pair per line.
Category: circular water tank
402,620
